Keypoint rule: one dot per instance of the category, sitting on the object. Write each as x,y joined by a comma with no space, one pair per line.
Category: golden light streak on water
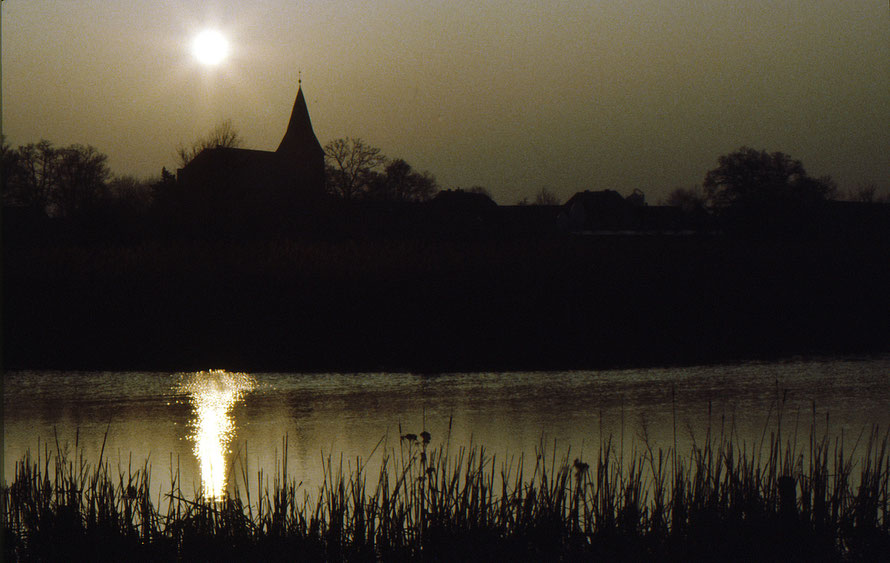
213,394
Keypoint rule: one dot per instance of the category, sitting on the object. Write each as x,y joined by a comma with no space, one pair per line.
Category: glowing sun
210,47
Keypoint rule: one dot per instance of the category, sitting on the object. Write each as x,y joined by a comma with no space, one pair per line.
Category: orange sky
513,96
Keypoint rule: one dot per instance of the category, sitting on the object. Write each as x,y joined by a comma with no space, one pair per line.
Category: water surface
213,427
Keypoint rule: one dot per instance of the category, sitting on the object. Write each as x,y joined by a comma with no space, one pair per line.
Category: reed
818,498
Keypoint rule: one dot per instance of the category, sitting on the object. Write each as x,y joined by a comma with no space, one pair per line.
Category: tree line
755,179
62,181
355,170
75,180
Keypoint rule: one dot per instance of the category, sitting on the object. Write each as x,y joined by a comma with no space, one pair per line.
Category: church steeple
299,140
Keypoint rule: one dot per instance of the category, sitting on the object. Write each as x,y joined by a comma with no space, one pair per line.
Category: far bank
441,304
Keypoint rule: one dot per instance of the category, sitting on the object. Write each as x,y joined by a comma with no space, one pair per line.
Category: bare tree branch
350,166
223,134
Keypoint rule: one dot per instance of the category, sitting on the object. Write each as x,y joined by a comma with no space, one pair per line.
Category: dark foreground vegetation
776,500
440,304
381,272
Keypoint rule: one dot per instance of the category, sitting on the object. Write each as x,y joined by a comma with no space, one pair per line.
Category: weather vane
299,73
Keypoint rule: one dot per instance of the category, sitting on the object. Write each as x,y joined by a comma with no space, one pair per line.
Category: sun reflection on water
213,394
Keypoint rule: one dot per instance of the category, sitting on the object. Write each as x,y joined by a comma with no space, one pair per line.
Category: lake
215,426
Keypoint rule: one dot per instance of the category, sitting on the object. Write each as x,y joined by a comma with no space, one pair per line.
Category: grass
782,498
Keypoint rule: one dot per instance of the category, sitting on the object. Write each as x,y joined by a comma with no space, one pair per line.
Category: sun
210,47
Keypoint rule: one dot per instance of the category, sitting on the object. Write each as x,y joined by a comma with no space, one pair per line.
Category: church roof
300,139
234,155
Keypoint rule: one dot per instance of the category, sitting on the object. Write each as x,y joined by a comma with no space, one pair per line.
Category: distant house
463,201
234,183
592,211
461,212
606,212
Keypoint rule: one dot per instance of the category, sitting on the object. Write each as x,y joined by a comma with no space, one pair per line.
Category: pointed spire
300,139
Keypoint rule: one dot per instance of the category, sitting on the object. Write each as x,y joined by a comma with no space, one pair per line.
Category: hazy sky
510,95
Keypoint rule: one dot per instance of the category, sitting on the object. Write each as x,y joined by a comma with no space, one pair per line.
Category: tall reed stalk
722,499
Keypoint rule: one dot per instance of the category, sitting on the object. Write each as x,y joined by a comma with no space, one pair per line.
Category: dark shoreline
435,305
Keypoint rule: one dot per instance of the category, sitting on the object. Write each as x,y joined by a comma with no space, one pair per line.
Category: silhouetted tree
81,173
826,186
128,194
543,197
65,181
9,169
753,179
399,182
350,167
163,189
546,197
690,200
759,193
29,175
863,193
867,194
223,134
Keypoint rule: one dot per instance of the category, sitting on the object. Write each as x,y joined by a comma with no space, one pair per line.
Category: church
234,184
